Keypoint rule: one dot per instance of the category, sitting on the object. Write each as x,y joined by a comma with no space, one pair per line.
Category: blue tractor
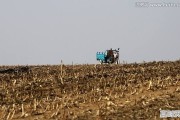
109,56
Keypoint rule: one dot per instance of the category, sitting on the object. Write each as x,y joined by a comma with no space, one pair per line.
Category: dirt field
128,91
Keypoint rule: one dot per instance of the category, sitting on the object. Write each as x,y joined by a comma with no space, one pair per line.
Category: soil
108,91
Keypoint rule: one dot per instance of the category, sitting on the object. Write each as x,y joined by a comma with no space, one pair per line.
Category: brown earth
125,91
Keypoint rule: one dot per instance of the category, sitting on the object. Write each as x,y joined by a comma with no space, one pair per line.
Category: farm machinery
109,56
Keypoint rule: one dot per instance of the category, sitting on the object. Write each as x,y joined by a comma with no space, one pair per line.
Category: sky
48,31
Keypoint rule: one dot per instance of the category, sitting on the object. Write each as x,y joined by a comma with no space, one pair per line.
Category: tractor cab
109,56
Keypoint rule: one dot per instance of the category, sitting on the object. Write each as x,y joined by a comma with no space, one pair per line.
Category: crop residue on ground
124,91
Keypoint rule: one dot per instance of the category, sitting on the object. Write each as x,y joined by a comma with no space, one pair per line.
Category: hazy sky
48,31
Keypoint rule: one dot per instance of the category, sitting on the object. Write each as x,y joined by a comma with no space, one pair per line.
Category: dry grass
129,91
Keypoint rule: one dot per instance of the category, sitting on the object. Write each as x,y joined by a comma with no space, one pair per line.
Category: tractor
109,56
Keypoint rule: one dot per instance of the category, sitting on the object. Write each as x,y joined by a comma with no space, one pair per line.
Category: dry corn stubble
129,91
